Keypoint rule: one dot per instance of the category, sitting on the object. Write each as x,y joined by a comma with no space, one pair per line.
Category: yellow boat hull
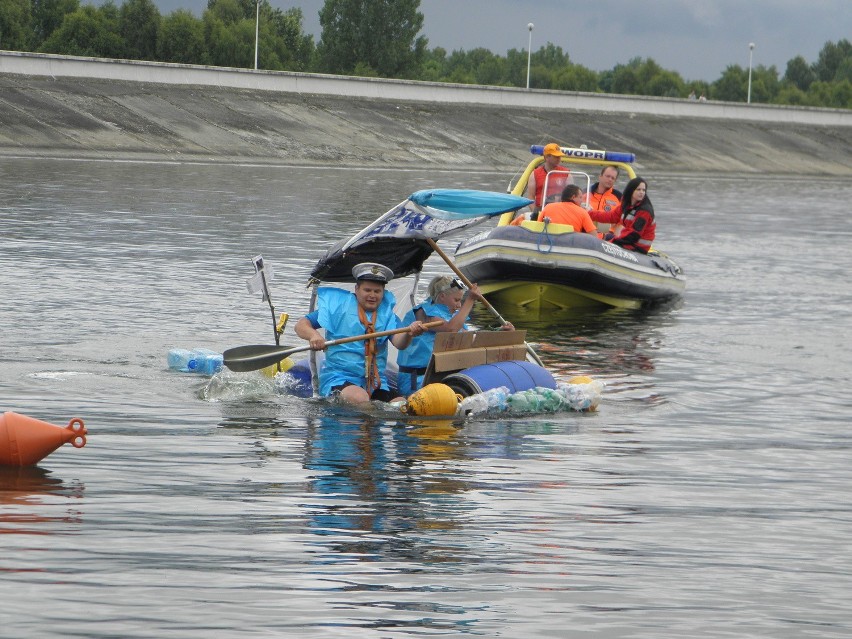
538,296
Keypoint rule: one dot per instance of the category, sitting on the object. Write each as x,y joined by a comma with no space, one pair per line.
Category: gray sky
696,38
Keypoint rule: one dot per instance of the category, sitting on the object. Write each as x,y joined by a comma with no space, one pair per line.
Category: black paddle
252,358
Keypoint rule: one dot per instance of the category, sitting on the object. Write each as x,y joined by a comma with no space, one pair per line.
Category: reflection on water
616,346
370,480
23,493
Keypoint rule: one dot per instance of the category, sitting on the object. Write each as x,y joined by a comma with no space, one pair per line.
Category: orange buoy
25,441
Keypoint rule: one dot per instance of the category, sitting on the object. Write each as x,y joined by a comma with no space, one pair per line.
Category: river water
709,496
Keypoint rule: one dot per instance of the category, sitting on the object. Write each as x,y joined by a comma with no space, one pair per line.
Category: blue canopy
399,238
448,204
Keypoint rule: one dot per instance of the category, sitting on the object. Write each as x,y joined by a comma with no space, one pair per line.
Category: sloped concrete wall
86,107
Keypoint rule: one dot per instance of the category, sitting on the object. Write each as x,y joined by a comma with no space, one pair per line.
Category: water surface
708,497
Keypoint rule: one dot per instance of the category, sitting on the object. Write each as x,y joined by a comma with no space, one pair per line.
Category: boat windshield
557,180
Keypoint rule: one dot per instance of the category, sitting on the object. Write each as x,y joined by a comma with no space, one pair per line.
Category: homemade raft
488,372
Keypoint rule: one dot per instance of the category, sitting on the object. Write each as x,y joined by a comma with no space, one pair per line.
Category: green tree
541,77
646,77
664,83
182,39
550,57
15,32
764,84
89,31
844,71
229,33
516,68
830,58
836,95
139,26
793,95
627,78
47,15
605,80
732,86
434,65
575,77
381,34
799,73
293,47
478,66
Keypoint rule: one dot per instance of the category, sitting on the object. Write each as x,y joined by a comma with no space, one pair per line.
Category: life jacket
554,185
605,201
338,315
568,213
646,234
414,359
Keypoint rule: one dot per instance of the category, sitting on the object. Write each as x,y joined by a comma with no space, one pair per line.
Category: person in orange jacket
568,211
535,186
603,196
634,216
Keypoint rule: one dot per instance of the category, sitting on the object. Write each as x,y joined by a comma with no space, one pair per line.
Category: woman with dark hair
634,218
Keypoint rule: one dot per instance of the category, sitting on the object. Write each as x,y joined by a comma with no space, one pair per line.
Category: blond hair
440,284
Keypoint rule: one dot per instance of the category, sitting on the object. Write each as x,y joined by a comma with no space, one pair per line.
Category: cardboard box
512,353
484,339
453,341
457,360
456,351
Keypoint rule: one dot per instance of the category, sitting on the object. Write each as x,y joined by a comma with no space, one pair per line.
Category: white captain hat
372,272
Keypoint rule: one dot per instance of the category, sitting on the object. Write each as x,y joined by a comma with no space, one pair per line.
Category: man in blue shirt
355,371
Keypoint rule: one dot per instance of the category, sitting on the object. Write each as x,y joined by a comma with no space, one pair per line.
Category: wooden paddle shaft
356,338
488,305
461,275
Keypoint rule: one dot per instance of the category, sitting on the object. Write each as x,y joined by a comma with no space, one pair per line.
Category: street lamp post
256,32
529,53
750,52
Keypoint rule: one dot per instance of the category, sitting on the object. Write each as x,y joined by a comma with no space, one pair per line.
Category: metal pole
256,32
529,53
750,51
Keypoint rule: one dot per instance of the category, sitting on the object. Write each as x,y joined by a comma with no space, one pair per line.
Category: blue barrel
515,375
297,380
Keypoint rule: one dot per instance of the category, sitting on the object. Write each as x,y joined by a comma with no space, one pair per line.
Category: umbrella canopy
398,238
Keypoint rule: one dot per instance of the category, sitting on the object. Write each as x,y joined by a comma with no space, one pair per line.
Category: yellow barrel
432,399
284,365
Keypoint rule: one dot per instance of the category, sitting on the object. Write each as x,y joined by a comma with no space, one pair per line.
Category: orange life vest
554,185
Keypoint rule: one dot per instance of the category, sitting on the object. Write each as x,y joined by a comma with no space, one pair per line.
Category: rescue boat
545,267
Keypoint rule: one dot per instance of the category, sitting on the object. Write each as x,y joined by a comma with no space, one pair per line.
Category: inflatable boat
543,266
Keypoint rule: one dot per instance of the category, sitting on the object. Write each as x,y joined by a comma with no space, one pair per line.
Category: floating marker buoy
25,441
432,399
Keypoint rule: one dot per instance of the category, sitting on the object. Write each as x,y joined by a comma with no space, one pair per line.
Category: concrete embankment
54,106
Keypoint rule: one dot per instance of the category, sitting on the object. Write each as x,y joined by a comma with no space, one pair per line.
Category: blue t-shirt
337,313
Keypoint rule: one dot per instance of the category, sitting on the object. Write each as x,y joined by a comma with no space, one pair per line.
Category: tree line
381,38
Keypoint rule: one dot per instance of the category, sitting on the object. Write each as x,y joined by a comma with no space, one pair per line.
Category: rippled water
708,497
